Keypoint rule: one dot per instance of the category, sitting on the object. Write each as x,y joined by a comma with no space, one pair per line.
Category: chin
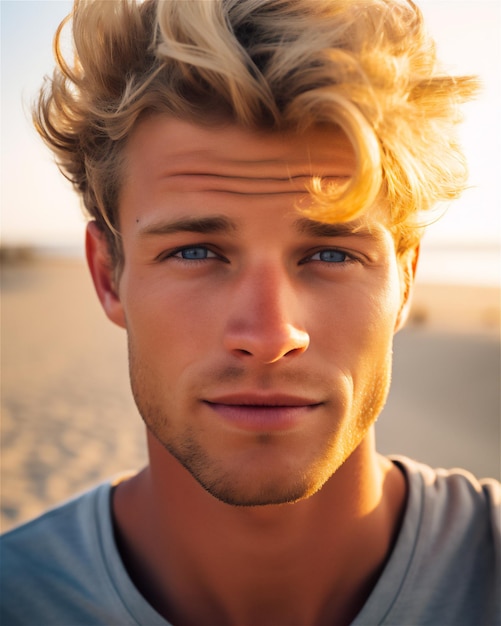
264,495
258,480
270,493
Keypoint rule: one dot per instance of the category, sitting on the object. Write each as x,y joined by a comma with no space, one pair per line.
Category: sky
39,207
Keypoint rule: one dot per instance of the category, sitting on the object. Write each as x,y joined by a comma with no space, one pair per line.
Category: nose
264,320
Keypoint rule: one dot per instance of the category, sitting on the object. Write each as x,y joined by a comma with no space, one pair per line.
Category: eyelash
348,258
176,254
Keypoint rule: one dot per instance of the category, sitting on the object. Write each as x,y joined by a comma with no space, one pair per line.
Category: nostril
294,351
244,352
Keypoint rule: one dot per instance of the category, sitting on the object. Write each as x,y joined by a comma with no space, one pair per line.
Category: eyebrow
314,228
214,224
222,224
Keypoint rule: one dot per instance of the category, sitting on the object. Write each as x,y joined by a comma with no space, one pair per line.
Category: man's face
260,341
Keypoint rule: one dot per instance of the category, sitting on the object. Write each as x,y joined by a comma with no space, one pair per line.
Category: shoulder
449,551
62,528
64,568
454,498
49,562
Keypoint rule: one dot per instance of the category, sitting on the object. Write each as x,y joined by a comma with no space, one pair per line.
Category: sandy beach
69,421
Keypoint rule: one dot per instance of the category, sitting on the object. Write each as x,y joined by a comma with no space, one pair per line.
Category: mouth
263,413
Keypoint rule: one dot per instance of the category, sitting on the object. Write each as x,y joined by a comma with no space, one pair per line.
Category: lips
254,399
263,412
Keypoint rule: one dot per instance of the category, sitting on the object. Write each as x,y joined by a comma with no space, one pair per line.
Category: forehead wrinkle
197,164
250,186
202,174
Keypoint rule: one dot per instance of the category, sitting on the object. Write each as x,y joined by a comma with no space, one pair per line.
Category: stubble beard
225,485
233,488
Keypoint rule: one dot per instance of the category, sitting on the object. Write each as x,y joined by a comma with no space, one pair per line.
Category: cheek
384,303
357,318
167,323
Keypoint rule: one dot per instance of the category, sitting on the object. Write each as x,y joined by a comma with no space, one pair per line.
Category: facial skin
259,341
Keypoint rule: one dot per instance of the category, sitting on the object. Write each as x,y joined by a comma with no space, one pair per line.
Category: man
257,174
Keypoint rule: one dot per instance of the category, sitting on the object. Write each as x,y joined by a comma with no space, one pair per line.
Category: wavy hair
367,66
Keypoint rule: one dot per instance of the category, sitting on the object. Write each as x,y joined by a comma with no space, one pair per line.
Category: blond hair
367,66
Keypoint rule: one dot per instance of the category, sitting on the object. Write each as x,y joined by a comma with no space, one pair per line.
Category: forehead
214,166
162,146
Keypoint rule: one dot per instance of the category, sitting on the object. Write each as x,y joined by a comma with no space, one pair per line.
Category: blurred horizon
440,262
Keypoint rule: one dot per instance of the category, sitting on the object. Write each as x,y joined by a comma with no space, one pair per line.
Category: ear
408,265
101,269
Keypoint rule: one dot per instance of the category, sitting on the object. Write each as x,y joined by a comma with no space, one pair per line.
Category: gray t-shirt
63,569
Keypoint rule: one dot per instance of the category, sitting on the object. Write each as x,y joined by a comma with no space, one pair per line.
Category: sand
68,419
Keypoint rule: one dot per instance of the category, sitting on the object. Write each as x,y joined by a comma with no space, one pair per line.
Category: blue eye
331,256
196,253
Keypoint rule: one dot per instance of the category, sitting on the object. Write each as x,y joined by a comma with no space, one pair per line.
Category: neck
200,561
